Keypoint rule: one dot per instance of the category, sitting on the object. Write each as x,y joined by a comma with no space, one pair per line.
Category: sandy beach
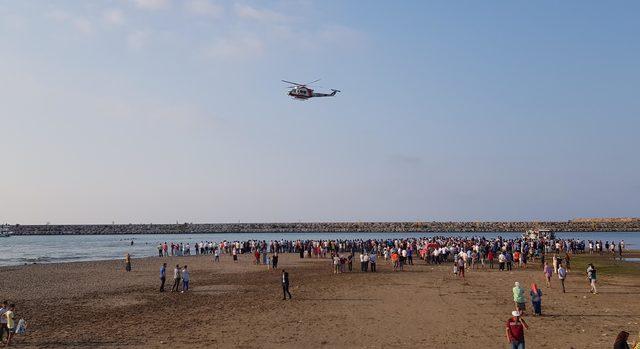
99,305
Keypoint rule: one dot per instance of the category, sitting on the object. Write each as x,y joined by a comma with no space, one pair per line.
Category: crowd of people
465,253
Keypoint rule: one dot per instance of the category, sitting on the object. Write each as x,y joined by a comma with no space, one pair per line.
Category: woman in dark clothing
621,341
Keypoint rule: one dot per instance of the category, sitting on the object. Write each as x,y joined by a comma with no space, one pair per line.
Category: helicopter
302,92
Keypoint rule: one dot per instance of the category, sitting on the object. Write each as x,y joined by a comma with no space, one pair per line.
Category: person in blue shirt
163,276
509,259
372,260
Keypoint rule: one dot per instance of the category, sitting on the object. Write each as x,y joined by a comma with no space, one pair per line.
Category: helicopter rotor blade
293,83
309,83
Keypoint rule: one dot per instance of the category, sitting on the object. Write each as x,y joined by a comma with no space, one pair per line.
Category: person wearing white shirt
366,262
501,260
176,279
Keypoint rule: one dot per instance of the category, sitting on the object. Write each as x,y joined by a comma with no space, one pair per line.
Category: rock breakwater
630,225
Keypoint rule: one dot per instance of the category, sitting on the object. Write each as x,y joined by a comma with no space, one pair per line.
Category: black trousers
176,285
3,329
285,291
373,267
162,280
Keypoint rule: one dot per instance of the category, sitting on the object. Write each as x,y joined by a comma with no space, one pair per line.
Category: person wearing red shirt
515,330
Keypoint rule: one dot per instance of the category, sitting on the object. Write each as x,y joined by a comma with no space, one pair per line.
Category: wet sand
99,305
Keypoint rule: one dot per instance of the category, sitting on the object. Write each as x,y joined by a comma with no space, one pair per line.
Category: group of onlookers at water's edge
465,254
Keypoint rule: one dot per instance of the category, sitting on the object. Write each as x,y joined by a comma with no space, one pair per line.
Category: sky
157,111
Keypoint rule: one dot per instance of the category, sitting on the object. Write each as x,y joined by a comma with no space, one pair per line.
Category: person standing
3,320
366,261
592,276
216,255
372,259
185,279
11,324
536,299
509,258
518,297
163,276
490,257
461,264
274,260
403,258
515,330
285,285
501,261
562,275
620,247
547,273
127,262
176,279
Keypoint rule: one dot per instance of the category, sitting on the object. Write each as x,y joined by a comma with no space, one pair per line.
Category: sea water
17,250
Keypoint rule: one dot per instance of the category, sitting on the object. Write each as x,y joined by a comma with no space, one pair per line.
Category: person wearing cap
515,330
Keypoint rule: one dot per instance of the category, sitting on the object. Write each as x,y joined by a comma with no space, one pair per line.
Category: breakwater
631,225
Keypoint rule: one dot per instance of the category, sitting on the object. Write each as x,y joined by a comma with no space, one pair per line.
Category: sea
18,250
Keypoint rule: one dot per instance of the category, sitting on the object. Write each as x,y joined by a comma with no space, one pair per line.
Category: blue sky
163,110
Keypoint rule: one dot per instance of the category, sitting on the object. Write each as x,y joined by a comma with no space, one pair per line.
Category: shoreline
633,252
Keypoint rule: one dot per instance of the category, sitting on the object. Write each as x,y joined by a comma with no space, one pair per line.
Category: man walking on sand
176,279
163,276
285,285
515,330
562,274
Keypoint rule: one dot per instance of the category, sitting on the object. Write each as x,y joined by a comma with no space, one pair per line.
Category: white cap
515,313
